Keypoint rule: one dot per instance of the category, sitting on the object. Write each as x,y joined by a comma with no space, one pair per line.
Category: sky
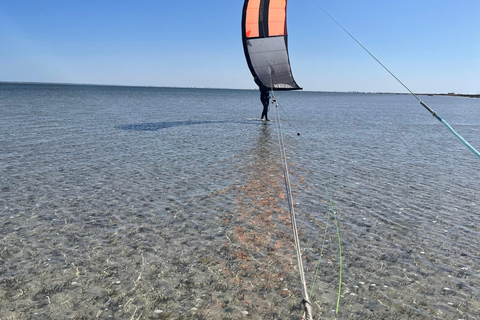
433,46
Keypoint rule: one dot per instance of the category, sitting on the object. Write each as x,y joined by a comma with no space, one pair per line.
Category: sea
170,203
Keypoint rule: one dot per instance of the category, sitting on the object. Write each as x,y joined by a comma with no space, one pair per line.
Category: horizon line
219,88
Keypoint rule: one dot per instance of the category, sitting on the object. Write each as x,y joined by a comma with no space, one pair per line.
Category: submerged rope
465,142
331,210
341,260
288,188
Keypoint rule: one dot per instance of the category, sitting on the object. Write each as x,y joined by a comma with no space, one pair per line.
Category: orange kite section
251,20
277,16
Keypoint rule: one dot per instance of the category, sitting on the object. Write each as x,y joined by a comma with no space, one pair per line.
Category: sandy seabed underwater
168,203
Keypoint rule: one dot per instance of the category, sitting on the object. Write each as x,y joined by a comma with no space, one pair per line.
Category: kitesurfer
265,99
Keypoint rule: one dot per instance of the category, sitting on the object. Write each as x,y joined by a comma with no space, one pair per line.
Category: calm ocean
169,203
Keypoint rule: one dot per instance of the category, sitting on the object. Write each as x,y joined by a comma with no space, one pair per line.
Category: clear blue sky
432,46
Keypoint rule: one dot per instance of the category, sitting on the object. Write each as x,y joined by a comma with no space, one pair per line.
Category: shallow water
155,203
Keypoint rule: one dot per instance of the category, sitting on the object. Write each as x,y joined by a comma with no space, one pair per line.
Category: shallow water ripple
155,203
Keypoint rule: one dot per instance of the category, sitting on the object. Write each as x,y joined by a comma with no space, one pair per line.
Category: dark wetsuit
265,98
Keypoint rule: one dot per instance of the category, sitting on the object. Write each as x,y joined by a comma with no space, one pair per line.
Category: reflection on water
116,204
259,249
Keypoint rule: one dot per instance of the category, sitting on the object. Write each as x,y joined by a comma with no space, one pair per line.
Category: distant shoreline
460,95
451,94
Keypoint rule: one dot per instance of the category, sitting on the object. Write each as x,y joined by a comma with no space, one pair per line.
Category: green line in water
331,210
341,266
319,260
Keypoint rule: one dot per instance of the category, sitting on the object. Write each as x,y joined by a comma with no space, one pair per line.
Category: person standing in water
265,99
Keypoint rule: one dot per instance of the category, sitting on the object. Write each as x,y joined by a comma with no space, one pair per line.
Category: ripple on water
120,204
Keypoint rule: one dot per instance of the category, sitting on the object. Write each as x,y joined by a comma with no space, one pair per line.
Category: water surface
168,203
